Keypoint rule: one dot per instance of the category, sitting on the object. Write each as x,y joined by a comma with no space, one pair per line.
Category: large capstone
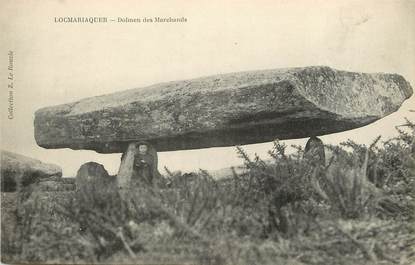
224,110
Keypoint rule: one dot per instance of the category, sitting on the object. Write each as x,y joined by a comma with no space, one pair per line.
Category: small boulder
93,175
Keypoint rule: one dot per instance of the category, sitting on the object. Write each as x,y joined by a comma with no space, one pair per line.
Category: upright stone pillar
126,171
126,167
314,150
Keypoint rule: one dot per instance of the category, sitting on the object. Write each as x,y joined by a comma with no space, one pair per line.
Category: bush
294,209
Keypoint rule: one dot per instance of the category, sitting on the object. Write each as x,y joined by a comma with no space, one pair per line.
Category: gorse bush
41,233
352,205
192,197
346,189
375,180
277,189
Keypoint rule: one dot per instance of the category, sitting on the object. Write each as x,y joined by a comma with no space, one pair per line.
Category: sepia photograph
207,132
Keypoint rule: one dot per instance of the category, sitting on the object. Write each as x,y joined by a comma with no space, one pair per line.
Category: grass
355,209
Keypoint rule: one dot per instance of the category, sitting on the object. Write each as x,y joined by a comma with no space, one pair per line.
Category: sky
56,63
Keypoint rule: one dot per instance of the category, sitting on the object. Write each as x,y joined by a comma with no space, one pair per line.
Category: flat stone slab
224,110
16,168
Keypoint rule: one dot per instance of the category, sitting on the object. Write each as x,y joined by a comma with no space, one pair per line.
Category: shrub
294,209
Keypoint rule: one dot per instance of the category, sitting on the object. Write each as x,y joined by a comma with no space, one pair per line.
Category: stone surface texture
93,176
224,110
125,171
16,168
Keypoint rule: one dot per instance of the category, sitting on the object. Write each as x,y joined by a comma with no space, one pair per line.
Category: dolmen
223,110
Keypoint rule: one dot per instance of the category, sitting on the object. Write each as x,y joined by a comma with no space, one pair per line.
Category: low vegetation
355,208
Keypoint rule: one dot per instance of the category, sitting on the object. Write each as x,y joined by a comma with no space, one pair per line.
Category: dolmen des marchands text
224,110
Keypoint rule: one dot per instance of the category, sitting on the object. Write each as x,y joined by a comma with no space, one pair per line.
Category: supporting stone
126,171
314,150
126,167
